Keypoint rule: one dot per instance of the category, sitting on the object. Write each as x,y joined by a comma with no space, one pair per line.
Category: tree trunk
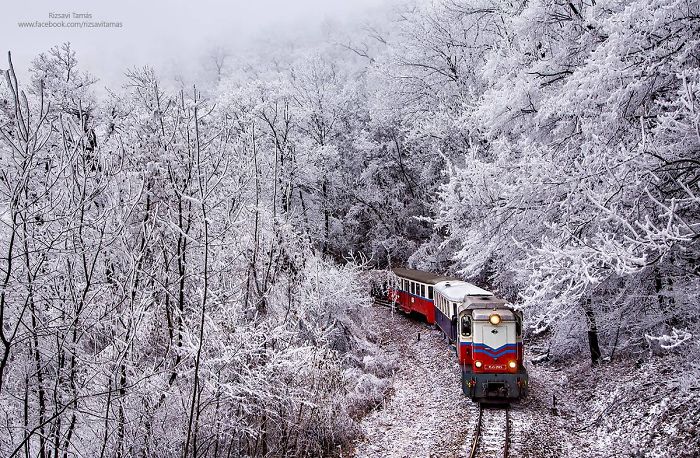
593,344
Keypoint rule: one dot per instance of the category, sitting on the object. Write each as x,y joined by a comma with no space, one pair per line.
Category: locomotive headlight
478,363
512,364
495,319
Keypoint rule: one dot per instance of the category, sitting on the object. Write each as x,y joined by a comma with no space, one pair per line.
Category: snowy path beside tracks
427,415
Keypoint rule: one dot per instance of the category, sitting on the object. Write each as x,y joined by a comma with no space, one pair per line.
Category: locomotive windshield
466,325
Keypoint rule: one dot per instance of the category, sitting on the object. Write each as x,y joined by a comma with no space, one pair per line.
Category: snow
620,408
426,415
183,258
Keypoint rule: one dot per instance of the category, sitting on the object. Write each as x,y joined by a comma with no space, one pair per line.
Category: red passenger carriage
414,292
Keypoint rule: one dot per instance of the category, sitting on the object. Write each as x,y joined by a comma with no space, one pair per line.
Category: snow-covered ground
636,410
642,409
426,413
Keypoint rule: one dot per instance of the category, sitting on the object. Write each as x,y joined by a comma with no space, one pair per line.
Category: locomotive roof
485,302
421,276
484,314
455,290
485,305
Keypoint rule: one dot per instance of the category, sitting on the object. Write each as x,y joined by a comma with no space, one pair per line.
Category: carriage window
422,290
430,292
413,288
454,310
466,325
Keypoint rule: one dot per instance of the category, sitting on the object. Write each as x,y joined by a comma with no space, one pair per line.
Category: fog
173,36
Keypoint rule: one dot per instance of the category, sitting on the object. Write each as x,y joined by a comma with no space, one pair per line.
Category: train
486,332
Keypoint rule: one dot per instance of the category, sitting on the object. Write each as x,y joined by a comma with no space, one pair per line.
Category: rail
492,434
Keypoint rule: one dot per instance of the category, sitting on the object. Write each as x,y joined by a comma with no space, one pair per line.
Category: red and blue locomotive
486,332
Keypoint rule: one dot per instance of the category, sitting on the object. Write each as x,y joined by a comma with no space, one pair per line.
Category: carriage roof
455,290
421,276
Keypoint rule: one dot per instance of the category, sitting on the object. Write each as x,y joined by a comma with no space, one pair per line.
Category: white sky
162,33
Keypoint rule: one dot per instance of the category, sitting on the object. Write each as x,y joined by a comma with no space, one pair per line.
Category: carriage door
454,334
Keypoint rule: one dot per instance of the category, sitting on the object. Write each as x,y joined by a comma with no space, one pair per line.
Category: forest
184,268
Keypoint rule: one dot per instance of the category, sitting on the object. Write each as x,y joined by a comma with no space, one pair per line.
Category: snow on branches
676,338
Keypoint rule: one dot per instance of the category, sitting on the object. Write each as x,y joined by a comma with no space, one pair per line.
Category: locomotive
485,331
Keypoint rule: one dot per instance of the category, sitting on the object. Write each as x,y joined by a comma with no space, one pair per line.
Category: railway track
383,302
492,435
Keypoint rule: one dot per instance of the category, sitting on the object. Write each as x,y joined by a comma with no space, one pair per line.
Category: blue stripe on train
496,355
483,345
506,349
